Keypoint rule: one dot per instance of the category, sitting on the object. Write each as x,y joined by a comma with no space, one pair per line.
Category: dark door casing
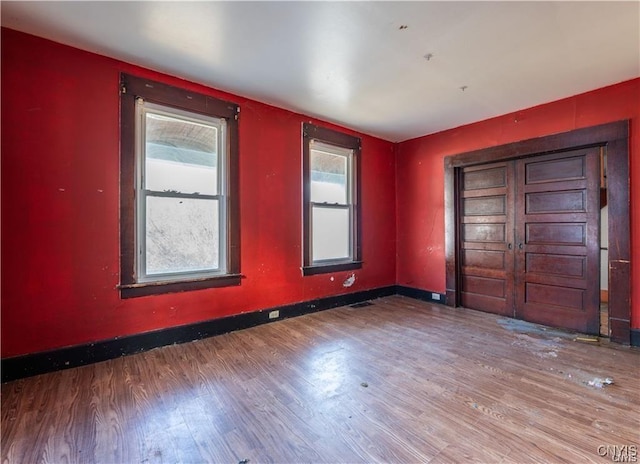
558,233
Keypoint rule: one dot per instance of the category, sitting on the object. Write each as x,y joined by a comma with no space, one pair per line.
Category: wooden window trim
132,87
322,134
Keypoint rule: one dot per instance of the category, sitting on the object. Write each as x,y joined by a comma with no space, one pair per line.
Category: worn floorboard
398,381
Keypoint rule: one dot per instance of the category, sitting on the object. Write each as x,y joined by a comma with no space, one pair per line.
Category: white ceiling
362,64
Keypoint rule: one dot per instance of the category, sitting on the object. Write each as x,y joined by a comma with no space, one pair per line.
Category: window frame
143,108
326,136
131,283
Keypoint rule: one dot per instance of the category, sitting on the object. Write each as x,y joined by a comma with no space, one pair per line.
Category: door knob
510,246
520,246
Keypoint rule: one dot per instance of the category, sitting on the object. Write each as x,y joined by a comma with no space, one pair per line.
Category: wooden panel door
557,252
486,232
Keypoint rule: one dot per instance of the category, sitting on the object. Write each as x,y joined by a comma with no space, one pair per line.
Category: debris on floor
538,346
364,384
535,330
600,383
548,354
586,338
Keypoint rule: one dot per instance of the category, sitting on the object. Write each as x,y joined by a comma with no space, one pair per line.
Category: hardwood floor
398,381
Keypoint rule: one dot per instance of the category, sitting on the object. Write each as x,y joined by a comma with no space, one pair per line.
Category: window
179,190
331,213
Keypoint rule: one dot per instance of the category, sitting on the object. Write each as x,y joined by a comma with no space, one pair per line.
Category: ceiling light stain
464,87
428,56
403,27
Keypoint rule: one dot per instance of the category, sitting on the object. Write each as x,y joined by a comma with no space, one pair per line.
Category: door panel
550,233
486,231
550,295
484,259
484,178
485,285
557,265
484,206
556,260
556,202
561,169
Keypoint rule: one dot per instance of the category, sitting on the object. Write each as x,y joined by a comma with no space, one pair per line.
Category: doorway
604,247
613,139
529,244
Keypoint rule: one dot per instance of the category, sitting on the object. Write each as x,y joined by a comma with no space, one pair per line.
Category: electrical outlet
435,296
274,314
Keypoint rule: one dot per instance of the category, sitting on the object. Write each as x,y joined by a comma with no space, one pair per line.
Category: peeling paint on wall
349,281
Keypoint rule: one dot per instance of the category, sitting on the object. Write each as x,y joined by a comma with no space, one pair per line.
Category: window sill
333,267
173,286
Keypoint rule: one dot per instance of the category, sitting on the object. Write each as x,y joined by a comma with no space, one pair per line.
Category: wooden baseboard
64,358
418,294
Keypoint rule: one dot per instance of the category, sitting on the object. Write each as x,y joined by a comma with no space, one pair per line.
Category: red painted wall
420,182
60,206
60,200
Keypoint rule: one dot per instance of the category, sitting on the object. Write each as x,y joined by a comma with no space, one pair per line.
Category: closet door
486,233
556,254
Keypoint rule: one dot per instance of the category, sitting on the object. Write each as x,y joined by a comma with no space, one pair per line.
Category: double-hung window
179,175
331,212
